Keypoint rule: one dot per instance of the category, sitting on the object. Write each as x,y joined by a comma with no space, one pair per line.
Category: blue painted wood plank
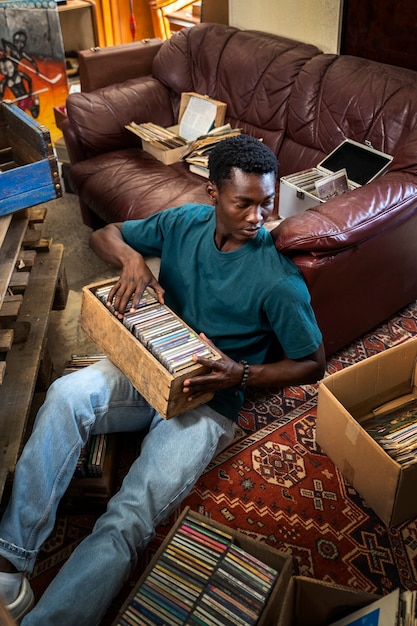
27,186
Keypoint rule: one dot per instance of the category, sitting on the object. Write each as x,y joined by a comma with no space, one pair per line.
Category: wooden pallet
31,281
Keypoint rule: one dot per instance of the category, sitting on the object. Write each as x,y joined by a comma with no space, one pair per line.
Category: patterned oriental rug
275,485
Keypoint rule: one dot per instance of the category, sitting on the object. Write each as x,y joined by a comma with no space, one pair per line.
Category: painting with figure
32,59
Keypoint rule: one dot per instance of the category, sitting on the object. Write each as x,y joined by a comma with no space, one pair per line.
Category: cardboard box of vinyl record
215,117
311,602
346,400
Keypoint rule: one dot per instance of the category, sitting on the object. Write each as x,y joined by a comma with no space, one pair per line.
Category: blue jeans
100,399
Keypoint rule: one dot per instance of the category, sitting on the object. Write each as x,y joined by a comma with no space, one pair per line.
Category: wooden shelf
78,25
74,4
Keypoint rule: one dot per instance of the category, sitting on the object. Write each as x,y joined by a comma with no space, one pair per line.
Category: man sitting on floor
221,273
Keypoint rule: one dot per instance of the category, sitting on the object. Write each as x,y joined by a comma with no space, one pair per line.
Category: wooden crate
28,167
163,390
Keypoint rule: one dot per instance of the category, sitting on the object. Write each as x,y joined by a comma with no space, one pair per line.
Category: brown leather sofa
358,252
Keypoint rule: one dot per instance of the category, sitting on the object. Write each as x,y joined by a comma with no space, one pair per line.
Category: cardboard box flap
311,602
375,381
405,502
199,114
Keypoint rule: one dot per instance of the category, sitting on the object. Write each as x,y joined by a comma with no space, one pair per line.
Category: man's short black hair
243,152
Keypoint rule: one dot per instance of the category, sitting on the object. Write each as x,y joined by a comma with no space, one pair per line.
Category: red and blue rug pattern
275,485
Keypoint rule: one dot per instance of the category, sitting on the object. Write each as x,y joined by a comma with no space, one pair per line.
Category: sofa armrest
349,219
72,142
98,118
100,67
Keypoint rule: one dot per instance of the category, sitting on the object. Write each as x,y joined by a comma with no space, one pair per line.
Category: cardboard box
166,156
347,398
163,390
361,162
174,155
272,557
311,602
28,168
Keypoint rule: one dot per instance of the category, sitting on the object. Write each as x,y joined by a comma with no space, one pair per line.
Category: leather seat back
252,72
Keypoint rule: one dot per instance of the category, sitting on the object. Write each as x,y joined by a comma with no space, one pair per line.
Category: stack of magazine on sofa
198,156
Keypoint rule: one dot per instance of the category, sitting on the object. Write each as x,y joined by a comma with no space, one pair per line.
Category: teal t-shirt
244,300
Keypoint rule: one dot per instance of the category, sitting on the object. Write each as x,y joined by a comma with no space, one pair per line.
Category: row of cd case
92,456
164,334
202,575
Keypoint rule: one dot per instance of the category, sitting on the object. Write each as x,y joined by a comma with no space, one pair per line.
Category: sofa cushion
117,180
338,97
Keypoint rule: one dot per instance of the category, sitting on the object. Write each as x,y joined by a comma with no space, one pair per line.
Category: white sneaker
23,603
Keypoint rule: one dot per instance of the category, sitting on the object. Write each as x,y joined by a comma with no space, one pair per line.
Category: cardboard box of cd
361,163
346,400
163,390
280,561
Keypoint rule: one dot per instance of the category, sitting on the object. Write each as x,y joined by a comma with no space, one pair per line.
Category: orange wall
113,21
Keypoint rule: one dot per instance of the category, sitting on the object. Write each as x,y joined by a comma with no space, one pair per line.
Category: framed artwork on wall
32,59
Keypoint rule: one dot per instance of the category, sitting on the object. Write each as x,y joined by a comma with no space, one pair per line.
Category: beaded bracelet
242,383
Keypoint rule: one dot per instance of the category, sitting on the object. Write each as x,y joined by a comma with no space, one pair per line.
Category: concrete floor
64,225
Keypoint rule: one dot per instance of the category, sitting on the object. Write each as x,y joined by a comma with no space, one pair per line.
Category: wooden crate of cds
161,388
